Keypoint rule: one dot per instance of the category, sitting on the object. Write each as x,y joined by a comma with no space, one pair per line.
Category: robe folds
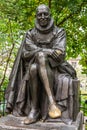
18,94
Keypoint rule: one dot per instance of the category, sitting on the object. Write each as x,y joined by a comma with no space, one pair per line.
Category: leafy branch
72,14
9,56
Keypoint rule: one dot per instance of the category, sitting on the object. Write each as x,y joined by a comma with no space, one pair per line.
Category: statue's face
43,17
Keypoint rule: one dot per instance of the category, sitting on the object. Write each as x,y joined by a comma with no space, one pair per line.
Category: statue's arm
57,52
60,41
59,46
29,48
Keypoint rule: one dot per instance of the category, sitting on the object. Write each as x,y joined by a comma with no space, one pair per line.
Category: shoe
54,111
32,117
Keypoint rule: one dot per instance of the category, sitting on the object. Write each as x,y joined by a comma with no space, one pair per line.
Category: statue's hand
47,51
56,55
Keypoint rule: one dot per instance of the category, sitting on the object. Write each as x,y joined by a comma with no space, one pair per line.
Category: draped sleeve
29,48
60,40
59,46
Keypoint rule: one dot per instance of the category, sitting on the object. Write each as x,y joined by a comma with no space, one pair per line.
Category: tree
16,16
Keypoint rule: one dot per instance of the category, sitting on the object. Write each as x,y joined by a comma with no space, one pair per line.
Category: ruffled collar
45,29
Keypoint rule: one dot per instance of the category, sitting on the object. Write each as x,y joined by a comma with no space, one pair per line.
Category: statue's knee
33,69
40,57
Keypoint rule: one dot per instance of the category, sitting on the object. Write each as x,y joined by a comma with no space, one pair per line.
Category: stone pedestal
16,123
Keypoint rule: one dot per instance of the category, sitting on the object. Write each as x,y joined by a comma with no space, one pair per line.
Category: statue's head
43,15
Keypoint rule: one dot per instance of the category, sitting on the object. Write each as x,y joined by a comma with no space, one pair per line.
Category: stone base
16,123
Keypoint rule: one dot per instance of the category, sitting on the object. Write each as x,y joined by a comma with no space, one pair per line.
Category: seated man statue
40,84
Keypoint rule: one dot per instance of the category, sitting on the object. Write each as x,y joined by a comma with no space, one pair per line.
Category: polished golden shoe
54,111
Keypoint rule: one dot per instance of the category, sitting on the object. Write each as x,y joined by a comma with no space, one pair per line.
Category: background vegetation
17,16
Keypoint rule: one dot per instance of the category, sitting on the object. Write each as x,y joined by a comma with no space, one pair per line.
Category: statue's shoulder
29,32
59,30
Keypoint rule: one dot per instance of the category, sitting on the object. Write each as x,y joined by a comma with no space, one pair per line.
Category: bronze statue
40,84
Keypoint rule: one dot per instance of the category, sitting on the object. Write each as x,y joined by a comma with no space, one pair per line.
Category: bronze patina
40,84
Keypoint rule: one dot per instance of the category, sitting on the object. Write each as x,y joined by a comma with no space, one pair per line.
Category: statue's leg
34,88
46,77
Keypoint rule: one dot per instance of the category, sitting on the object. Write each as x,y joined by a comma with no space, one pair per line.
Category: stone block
16,123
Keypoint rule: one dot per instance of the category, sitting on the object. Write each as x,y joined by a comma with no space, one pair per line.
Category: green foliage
83,103
17,16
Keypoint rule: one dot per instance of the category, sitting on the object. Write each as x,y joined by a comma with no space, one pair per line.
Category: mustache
43,20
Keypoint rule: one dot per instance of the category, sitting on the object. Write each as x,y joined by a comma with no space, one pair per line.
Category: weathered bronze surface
11,122
41,84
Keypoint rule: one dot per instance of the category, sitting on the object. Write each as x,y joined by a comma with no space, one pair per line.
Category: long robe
18,91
